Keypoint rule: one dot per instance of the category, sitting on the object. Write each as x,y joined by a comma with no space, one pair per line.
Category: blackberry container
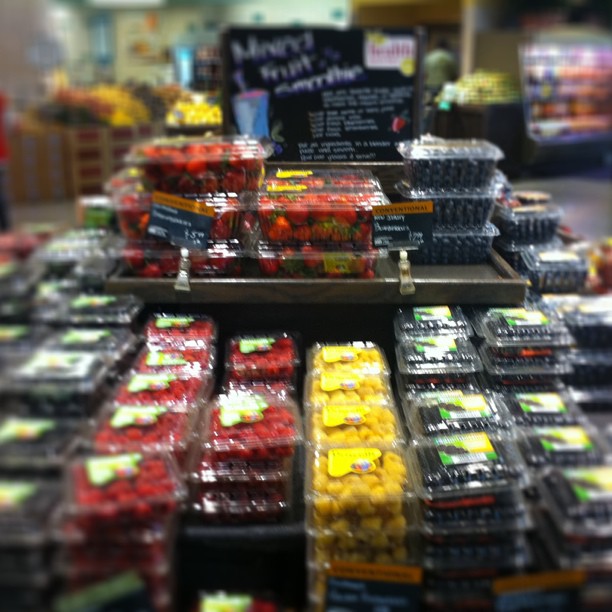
454,211
521,383
434,320
543,409
409,384
528,224
555,271
16,340
589,367
590,321
513,251
432,163
500,365
594,398
457,247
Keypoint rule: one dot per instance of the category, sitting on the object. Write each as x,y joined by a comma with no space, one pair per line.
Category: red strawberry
234,180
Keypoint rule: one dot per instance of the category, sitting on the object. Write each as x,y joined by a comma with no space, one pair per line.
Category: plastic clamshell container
36,446
457,247
50,292
512,251
436,413
94,310
265,356
317,262
276,387
356,489
454,210
17,280
201,165
250,426
593,398
590,321
352,425
188,329
556,271
126,177
523,327
570,446
165,388
556,365
521,383
431,354
324,388
318,217
465,463
409,384
18,339
550,409
55,384
432,163
431,320
26,515
351,357
176,360
298,180
19,244
156,428
64,251
529,224
590,367
133,209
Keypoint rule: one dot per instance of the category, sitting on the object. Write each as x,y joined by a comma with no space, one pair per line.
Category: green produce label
564,439
104,470
590,484
169,322
468,406
14,493
136,416
468,448
162,358
92,301
541,403
10,333
15,429
432,313
150,382
84,336
255,345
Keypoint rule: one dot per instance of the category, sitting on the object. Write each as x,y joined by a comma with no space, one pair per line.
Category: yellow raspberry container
323,388
348,358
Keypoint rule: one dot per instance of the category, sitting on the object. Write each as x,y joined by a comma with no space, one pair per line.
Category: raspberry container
356,490
499,364
528,224
454,211
309,261
37,446
122,428
27,510
351,357
555,271
352,425
198,165
177,359
431,320
346,388
590,321
457,247
570,446
165,388
270,356
55,384
318,179
318,217
590,367
19,245
436,413
513,251
276,387
436,164
543,409
188,329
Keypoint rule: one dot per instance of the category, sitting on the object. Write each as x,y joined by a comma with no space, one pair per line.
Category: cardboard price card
403,225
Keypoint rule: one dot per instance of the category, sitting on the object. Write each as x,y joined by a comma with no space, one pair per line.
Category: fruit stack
212,172
457,176
317,224
356,473
17,286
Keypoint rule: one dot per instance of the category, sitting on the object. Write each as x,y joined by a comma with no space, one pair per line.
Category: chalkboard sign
324,95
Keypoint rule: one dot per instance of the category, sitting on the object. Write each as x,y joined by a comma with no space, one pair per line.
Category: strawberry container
154,259
270,356
198,165
309,261
143,389
133,208
319,179
55,384
122,428
188,329
318,217
177,359
353,357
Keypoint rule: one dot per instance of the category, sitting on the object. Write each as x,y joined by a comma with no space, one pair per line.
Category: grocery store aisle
43,212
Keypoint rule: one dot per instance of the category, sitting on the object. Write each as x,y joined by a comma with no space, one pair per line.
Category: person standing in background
440,67
4,205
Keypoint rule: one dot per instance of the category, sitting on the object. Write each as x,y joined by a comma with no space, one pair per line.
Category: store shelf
495,282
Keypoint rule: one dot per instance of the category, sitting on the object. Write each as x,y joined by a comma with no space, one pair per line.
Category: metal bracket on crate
182,278
406,286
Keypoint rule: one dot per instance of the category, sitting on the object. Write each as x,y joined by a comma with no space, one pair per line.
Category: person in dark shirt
4,213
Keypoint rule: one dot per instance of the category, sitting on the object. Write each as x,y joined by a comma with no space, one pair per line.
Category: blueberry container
570,446
594,398
437,355
18,340
452,210
432,163
512,251
408,384
431,320
555,271
504,366
543,409
590,367
436,413
17,280
590,321
533,224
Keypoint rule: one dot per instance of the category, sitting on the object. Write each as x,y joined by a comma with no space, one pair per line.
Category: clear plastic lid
19,338
176,360
270,356
351,357
165,388
505,327
579,500
303,179
27,508
353,424
355,489
555,365
570,446
409,384
435,320
324,388
432,354
36,444
192,329
432,147
516,247
115,342
50,292
590,321
276,387
446,465
73,246
86,309
555,270
535,409
251,426
441,412
528,222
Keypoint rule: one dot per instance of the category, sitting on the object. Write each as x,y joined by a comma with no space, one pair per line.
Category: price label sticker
403,225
